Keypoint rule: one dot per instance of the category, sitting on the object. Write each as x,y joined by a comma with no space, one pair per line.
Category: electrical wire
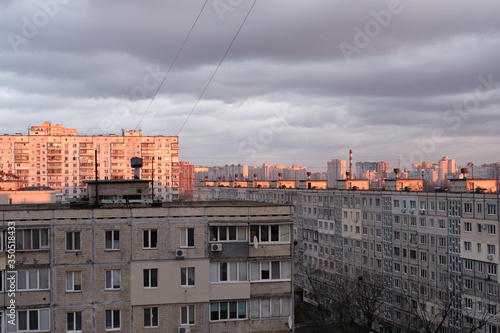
217,68
172,64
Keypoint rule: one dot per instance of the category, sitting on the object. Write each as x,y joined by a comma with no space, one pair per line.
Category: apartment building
179,268
57,157
433,254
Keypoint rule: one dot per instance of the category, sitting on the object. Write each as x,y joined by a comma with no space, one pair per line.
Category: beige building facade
184,267
57,157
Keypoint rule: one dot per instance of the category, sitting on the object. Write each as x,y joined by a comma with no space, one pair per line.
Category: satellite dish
255,242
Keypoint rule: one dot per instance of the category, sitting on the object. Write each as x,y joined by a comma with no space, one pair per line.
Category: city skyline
286,84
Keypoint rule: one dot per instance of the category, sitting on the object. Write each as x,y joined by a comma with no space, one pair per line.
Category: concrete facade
155,269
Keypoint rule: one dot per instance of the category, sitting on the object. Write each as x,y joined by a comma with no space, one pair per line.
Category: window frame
77,319
112,313
71,275
148,281
185,238
71,241
43,239
190,309
188,277
28,277
113,240
112,279
152,315
240,304
147,238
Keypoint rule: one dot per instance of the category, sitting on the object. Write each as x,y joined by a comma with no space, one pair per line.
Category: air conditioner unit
490,257
180,253
184,329
216,247
487,276
356,220
403,210
422,212
483,226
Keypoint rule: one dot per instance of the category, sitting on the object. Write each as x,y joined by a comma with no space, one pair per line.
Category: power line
217,68
172,64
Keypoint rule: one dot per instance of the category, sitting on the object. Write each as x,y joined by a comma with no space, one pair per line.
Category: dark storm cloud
95,65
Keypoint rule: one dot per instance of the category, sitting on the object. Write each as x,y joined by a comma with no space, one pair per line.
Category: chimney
396,171
236,177
255,176
308,175
279,175
350,164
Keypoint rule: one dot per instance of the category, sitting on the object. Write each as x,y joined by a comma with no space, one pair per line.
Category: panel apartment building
180,268
57,157
428,251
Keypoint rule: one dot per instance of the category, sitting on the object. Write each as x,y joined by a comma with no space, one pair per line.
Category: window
32,239
442,260
270,307
113,279
468,303
491,209
492,269
468,264
467,283
112,240
232,310
423,256
187,237
396,203
187,276
150,278
423,222
467,207
33,279
188,315
442,224
467,226
150,239
441,206
467,246
151,317
270,233
73,281
113,320
492,309
73,241
491,249
33,320
74,322
228,271
491,229
442,242
270,270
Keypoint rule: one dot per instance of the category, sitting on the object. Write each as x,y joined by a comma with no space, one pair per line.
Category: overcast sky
303,82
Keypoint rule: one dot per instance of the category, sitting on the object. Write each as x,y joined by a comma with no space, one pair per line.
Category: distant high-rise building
57,157
335,170
446,166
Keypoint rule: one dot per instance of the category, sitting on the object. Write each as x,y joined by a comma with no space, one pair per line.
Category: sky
252,82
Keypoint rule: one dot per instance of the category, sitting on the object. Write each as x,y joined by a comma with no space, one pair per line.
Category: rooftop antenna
96,177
